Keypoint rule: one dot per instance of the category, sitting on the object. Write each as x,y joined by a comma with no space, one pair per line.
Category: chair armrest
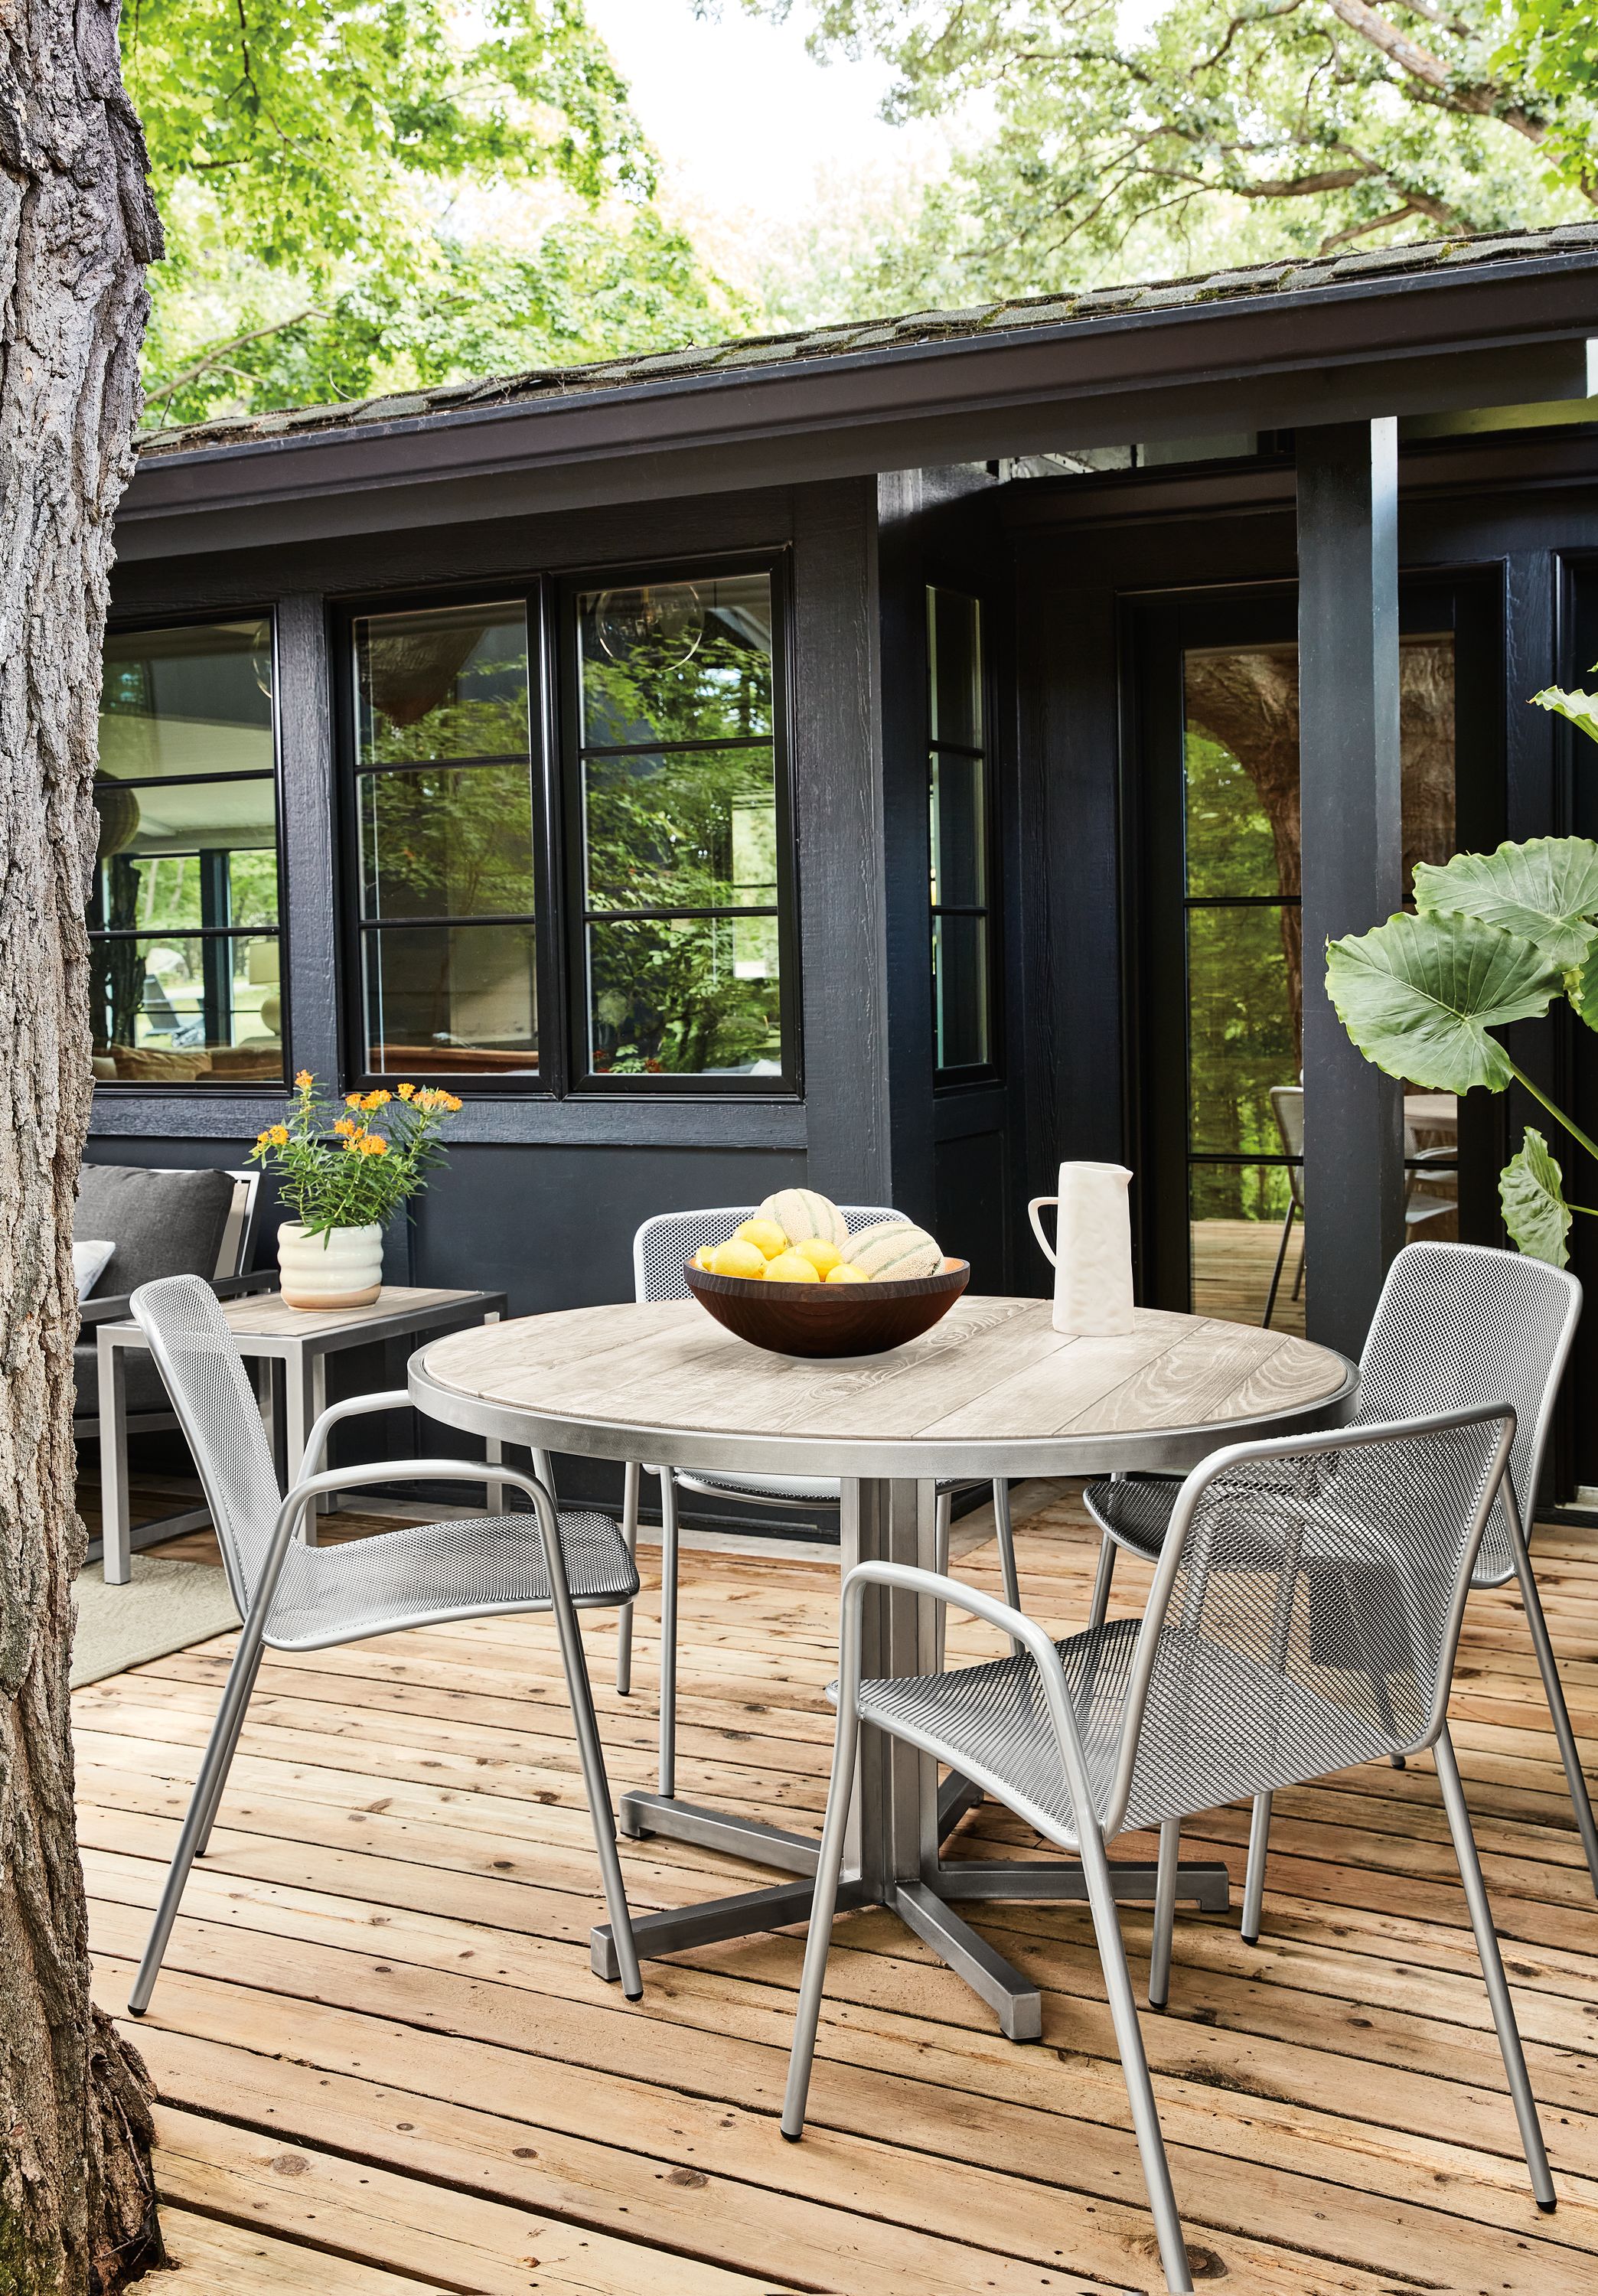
361,1406
112,1309
236,1287
117,1308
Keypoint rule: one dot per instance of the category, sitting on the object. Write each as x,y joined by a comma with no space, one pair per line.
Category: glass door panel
1248,1252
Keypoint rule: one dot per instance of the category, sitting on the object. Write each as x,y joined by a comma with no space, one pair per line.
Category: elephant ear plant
1495,938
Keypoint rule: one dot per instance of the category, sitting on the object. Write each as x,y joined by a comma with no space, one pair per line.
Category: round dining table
993,1390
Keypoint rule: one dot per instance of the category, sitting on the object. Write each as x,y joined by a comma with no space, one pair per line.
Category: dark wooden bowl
829,1319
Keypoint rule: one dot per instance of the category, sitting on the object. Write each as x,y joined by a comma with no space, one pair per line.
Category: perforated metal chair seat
1218,1721
465,1569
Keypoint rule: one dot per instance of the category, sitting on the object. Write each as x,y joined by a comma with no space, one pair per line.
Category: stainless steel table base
901,1819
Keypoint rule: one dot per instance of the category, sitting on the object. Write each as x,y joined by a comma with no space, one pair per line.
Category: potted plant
343,1173
1494,937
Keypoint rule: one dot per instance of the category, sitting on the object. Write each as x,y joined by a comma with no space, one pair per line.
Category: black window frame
130,626
585,1082
547,1080
989,1071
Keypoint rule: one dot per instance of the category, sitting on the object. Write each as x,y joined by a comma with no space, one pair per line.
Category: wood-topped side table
270,1332
994,1389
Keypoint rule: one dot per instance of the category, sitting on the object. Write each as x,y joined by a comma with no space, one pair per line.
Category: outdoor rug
165,1606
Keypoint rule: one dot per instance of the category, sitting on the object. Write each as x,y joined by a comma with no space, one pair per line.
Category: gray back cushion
161,1223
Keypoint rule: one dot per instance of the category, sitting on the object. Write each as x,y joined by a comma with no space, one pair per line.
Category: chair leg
940,1563
823,1906
624,1622
1568,1753
1165,1913
1492,1970
1005,1536
224,1730
1102,1576
1287,1229
1134,2064
218,1783
600,1810
1260,1850
668,1631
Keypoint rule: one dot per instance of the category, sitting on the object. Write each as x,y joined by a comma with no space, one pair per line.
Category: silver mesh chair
292,1597
1421,1204
1304,1615
1457,1324
661,1249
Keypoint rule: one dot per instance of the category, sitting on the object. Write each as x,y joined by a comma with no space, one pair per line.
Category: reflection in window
678,786
962,987
184,914
445,809
1245,962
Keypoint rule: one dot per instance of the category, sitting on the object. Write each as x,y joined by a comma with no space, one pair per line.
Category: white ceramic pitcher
1092,1253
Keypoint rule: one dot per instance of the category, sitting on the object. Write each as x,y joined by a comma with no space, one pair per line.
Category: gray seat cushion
161,1224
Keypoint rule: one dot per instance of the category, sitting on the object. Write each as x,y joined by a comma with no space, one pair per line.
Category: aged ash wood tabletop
992,1388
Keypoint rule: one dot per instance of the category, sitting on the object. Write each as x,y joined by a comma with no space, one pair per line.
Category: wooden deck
385,2068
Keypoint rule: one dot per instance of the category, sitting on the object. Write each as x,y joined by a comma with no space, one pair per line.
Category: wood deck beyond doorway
385,2067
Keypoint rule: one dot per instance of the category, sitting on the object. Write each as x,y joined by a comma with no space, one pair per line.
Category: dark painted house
895,756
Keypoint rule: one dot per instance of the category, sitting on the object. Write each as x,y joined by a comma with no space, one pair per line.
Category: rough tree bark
77,227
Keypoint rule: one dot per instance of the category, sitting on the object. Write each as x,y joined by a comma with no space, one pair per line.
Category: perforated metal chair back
664,1244
1287,1106
1458,1324
204,1375
1306,1621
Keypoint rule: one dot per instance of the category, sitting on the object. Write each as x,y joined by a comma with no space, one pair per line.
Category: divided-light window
677,829
183,916
958,836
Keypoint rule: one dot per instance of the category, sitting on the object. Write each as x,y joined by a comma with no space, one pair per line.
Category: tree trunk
77,227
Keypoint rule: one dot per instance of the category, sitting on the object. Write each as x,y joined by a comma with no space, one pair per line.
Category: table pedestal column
900,1819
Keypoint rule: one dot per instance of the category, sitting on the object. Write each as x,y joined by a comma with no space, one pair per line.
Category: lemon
702,1258
823,1257
767,1238
734,1257
789,1268
844,1274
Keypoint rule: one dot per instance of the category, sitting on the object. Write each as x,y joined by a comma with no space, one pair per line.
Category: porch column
1350,796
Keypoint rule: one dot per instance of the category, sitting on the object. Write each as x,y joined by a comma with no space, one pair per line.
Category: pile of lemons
799,1236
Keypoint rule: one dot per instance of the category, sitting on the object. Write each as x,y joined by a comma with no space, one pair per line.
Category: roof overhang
1506,333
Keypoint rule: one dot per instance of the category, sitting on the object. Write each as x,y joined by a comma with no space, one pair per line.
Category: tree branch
1484,100
219,352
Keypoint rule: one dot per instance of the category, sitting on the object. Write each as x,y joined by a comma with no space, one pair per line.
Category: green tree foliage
1224,133
372,194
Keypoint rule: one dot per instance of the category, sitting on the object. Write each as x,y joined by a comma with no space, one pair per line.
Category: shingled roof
747,353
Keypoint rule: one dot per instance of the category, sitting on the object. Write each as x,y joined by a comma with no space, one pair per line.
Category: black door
1221,973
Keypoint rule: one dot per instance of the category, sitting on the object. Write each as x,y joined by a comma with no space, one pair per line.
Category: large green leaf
1531,1190
1580,709
1546,890
1419,993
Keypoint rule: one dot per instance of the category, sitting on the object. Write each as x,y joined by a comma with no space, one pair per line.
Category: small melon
801,1213
893,1250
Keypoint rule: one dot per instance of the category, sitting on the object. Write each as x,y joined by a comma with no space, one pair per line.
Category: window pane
447,844
1241,1022
677,661
1237,1213
685,996
960,991
194,700
1243,769
955,650
448,682
199,853
959,831
451,1000
686,829
167,1009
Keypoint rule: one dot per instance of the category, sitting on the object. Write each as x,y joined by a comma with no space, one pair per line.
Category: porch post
1350,797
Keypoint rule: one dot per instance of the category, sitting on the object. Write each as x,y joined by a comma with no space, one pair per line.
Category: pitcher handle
1043,1245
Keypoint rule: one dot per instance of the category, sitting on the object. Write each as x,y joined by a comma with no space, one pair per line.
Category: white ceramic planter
343,1268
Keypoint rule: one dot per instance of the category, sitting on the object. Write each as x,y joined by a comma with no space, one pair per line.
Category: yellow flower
373,1145
353,1141
279,1135
407,1091
454,1106
352,1100
263,1140
303,1080
377,1099
344,1126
